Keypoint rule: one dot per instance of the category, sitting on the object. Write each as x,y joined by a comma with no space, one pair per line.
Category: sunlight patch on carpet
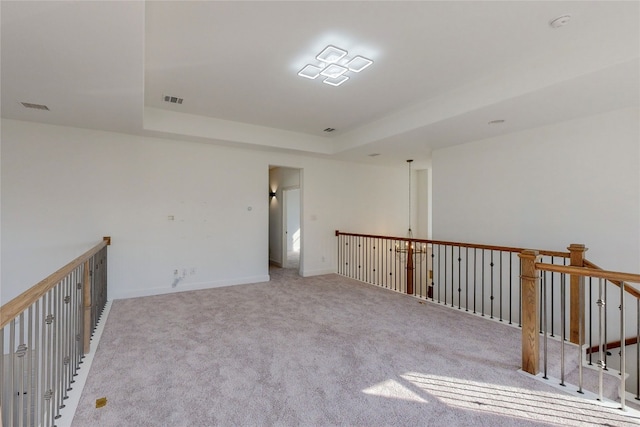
500,399
394,390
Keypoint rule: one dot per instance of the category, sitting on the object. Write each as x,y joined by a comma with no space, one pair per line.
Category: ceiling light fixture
334,71
331,54
310,72
358,64
335,81
334,66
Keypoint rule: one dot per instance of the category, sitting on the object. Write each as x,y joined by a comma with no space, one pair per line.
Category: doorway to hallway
285,223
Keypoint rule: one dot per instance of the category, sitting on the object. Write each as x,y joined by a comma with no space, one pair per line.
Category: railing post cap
529,253
577,247
107,239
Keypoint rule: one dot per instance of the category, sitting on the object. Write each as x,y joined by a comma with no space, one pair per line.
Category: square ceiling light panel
334,71
310,71
331,54
336,81
358,64
328,66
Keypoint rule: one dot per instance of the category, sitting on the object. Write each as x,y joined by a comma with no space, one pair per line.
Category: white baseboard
193,287
321,272
71,404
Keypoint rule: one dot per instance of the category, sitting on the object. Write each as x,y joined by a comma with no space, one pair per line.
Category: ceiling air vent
329,129
173,99
35,106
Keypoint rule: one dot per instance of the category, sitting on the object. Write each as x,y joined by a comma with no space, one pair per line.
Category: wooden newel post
576,294
530,283
410,268
86,293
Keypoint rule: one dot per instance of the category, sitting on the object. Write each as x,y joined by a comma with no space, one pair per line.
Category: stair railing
46,332
624,299
477,278
486,280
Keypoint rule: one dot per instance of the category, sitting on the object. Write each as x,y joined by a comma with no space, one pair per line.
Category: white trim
322,272
71,405
194,287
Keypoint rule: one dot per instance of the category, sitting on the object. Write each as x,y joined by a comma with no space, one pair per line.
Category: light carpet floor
319,351
293,259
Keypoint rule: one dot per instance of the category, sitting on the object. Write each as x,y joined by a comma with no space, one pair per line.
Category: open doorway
285,224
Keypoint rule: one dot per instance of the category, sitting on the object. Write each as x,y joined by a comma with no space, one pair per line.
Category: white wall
572,182
2,301
422,204
64,188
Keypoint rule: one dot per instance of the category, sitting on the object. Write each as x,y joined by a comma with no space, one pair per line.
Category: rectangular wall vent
173,99
35,106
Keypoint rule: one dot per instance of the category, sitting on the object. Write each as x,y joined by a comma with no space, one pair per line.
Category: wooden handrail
589,264
591,272
631,290
13,308
612,276
461,244
613,345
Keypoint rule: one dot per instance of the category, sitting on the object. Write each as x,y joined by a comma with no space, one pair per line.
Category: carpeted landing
318,351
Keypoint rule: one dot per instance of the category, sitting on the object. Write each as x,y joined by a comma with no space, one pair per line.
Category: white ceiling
442,70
